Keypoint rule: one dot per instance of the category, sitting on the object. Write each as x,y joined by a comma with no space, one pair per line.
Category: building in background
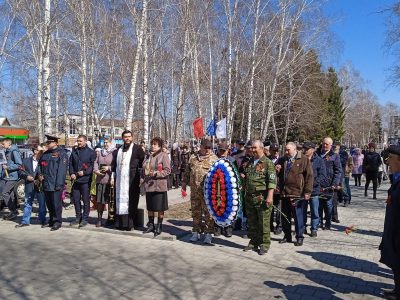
19,135
69,127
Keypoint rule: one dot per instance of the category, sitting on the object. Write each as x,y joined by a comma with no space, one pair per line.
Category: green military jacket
261,176
197,169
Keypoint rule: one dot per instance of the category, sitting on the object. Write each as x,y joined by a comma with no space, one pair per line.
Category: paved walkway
82,264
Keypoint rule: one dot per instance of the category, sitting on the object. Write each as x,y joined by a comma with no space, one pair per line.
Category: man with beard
126,166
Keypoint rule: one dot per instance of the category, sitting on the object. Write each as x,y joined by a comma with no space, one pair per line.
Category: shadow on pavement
349,263
357,230
342,283
296,291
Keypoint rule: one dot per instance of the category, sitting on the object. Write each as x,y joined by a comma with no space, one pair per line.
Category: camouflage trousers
199,209
258,219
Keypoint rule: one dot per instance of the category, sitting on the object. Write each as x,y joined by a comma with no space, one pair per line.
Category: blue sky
361,30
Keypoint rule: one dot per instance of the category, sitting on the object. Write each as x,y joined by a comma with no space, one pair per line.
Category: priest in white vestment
126,165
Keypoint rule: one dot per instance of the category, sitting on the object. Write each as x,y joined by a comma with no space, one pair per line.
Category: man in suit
32,189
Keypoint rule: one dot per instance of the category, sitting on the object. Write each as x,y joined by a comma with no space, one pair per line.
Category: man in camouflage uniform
259,182
195,173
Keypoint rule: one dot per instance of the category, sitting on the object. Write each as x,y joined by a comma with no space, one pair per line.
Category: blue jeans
297,212
347,188
326,207
26,218
314,207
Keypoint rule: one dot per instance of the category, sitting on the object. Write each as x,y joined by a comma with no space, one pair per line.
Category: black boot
150,225
158,229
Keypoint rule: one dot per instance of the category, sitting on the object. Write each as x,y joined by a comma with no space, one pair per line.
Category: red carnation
44,163
85,166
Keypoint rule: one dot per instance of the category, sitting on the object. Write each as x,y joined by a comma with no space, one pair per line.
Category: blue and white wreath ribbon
222,192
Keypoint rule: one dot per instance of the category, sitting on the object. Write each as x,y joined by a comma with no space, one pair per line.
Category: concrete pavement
87,264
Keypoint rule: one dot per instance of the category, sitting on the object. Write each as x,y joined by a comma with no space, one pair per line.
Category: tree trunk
135,71
253,70
178,132
46,70
145,92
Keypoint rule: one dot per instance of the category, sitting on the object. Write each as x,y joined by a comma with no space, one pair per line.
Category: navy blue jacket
53,167
82,159
333,170
319,172
390,245
27,164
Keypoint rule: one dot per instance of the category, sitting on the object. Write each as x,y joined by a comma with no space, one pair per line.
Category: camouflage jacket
261,176
197,168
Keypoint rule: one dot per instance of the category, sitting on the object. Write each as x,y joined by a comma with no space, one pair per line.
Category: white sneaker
208,239
195,237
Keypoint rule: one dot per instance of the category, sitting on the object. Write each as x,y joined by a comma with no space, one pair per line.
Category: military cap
248,144
206,144
223,146
394,149
50,138
241,142
274,147
309,145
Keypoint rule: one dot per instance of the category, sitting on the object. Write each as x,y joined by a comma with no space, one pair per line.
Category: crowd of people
277,187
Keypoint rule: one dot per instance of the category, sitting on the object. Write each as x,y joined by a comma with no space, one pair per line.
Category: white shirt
34,163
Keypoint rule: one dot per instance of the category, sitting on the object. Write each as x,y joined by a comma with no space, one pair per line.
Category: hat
394,149
51,139
223,146
248,144
206,144
372,145
274,147
241,142
309,145
266,143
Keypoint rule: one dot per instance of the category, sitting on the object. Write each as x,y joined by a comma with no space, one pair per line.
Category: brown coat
299,180
160,165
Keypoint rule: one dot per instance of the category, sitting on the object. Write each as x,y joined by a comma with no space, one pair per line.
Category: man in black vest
80,169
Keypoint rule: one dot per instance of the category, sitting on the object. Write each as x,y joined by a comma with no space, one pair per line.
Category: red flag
198,128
